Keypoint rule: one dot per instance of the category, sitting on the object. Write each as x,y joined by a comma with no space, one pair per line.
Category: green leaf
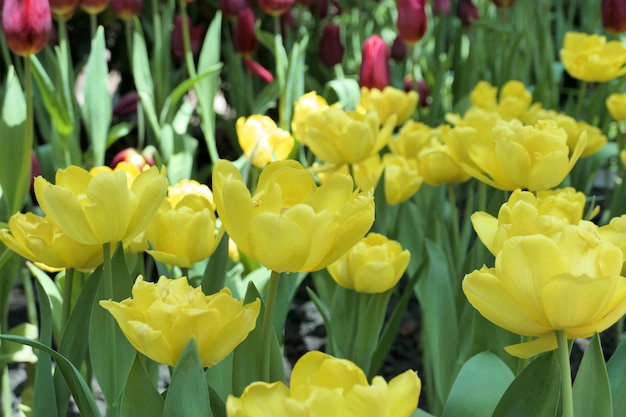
188,393
80,391
216,269
140,397
52,98
96,110
592,393
143,78
534,392
488,336
478,387
53,294
15,162
217,404
346,91
15,352
421,413
616,368
119,131
44,401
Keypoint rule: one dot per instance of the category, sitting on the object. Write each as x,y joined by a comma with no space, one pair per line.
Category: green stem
189,63
67,295
268,318
280,74
6,55
128,27
158,58
31,305
362,345
566,374
6,409
581,99
93,24
454,223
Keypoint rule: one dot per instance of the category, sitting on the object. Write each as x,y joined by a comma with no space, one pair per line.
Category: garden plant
173,173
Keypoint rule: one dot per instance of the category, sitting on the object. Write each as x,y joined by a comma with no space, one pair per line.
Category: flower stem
566,374
107,276
190,65
93,24
581,99
268,318
67,295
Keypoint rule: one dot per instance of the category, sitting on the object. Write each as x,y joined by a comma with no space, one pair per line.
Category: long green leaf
216,269
44,401
52,98
140,397
143,78
616,368
478,387
80,391
592,393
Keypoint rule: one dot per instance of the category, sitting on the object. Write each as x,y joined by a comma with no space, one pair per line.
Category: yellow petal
534,347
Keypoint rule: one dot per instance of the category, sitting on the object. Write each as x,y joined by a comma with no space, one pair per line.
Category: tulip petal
404,392
261,399
485,226
534,347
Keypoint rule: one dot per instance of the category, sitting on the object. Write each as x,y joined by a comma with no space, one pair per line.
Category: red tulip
94,6
503,3
258,70
127,9
127,104
399,50
231,8
614,15
196,33
275,7
467,12
441,7
412,21
63,7
27,25
132,156
330,48
245,39
375,71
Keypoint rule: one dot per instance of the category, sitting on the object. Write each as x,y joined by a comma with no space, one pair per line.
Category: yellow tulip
183,231
390,101
341,137
547,213
308,103
40,241
161,318
373,265
402,178
514,100
262,141
513,155
485,96
616,103
615,232
367,173
322,385
290,224
101,208
413,137
591,58
540,285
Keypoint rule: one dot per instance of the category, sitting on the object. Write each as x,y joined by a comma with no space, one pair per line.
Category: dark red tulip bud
412,22
305,3
126,105
467,12
231,8
421,87
399,50
503,3
35,168
245,39
330,48
127,9
441,7
27,25
375,71
132,156
63,7
94,6
614,15
275,7
196,33
258,70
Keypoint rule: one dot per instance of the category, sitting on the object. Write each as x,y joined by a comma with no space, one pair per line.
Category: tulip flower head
306,104
330,48
196,33
616,103
388,102
290,224
63,7
441,7
375,71
399,50
614,16
104,207
412,21
374,265
319,380
231,8
570,282
127,9
132,156
161,318
275,7
591,58
262,141
27,25
94,7
402,178
246,42
467,12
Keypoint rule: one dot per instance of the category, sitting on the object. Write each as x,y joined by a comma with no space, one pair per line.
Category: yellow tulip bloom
402,178
101,208
373,265
388,102
616,103
539,285
262,141
183,231
161,318
40,241
324,386
615,232
346,137
591,58
547,213
308,103
290,224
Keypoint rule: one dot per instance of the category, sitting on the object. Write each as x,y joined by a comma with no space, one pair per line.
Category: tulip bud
126,105
421,86
231,8
63,7
195,33
375,71
467,12
35,168
27,25
132,156
245,40
258,70
503,3
94,6
127,9
275,7
399,49
330,48
614,15
441,7
412,21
